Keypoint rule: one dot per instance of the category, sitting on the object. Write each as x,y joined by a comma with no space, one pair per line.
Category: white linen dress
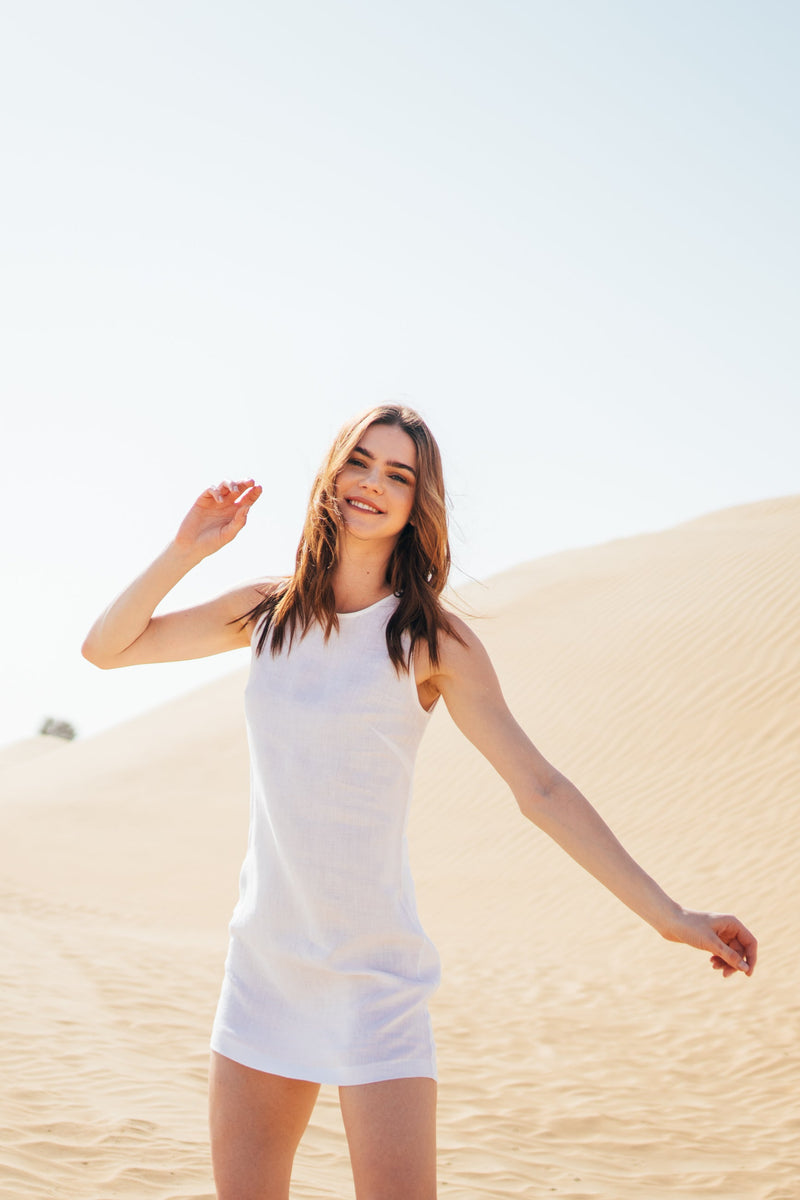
329,971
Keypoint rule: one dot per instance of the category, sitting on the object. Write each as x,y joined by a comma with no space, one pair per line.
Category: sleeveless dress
329,971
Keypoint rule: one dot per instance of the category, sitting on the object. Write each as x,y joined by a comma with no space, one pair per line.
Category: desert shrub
54,728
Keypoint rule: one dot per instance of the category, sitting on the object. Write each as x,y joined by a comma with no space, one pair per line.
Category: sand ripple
580,1055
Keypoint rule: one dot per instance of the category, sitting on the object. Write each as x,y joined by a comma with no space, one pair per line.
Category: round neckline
356,612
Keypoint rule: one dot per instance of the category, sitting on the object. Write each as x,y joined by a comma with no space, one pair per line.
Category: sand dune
580,1054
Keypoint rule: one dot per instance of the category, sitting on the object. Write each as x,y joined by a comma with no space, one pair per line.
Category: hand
216,517
733,947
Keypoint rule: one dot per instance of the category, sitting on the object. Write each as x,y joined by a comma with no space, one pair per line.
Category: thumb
730,956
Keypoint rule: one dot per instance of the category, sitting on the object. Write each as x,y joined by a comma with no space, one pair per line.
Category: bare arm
127,633
469,685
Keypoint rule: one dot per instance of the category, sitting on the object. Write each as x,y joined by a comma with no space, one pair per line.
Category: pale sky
565,231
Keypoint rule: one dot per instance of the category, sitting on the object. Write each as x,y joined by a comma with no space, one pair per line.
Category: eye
401,479
356,462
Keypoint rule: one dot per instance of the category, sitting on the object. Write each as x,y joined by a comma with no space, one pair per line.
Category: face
376,487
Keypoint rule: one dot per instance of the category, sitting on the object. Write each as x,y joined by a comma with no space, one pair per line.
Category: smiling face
375,489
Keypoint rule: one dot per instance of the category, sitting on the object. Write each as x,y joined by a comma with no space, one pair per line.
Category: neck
359,577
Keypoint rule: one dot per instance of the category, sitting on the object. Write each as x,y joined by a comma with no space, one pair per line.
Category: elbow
91,653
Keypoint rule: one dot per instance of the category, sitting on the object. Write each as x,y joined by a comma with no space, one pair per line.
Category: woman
329,970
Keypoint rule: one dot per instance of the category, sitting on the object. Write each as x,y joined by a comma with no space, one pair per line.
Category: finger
209,494
737,937
233,488
250,497
719,965
242,508
217,492
731,956
226,490
749,946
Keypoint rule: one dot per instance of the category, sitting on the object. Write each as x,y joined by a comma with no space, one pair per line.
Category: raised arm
469,685
127,633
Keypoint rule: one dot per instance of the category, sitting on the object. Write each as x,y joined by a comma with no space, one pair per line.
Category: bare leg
256,1122
391,1132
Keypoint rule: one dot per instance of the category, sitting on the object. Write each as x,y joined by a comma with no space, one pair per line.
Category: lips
363,505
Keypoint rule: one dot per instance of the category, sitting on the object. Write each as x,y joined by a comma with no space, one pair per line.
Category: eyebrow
390,462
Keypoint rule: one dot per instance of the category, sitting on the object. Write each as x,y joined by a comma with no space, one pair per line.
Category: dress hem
246,1056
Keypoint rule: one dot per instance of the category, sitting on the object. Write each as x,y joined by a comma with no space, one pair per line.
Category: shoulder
259,589
240,603
461,652
245,596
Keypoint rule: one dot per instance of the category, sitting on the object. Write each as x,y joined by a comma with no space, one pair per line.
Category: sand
580,1054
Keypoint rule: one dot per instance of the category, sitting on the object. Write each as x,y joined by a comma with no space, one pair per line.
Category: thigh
256,1122
391,1132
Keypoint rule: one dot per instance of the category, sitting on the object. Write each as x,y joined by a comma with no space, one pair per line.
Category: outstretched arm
469,685
127,633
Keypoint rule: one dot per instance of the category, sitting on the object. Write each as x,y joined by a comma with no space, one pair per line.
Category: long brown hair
417,569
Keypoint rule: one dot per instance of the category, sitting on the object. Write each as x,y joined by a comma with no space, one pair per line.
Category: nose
372,479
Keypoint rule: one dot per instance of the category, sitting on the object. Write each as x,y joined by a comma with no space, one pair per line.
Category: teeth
363,507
